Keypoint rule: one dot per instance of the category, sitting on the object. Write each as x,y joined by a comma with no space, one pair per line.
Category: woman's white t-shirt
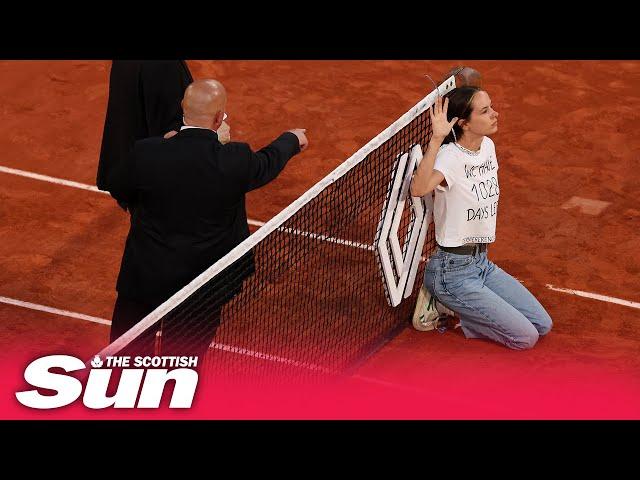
465,210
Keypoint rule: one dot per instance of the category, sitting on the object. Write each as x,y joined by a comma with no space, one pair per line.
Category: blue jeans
491,303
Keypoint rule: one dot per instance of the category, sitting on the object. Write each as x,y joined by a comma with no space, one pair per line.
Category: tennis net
319,287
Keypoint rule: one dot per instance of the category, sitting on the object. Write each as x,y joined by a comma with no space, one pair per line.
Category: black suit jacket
188,205
144,101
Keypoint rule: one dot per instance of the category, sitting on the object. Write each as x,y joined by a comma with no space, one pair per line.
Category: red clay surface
567,128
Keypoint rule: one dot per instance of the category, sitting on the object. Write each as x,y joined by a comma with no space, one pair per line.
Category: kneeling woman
461,165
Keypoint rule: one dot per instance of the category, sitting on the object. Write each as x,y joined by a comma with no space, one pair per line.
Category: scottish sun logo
111,382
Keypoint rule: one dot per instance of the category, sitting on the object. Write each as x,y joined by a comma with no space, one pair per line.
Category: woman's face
483,119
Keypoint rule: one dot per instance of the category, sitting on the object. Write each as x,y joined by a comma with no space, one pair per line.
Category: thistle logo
131,386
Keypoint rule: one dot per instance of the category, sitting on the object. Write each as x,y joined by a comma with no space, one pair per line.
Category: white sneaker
425,316
429,313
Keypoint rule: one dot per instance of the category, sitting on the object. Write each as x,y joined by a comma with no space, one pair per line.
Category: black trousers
174,335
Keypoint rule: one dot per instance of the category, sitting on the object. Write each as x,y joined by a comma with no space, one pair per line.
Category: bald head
465,77
204,103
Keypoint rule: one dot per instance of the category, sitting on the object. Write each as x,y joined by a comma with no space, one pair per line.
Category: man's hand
224,133
170,134
302,138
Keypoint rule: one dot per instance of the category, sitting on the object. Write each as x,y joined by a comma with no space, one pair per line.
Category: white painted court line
595,296
268,357
46,178
70,183
92,188
56,311
81,316
82,186
214,345
324,238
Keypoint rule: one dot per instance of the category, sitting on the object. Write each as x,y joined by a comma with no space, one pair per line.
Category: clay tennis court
569,216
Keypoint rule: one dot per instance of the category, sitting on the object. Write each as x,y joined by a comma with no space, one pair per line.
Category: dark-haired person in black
144,101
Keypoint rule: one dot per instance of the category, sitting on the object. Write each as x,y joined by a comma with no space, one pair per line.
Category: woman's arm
426,178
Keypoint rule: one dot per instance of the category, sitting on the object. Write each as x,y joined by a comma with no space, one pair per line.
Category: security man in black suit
187,197
144,101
